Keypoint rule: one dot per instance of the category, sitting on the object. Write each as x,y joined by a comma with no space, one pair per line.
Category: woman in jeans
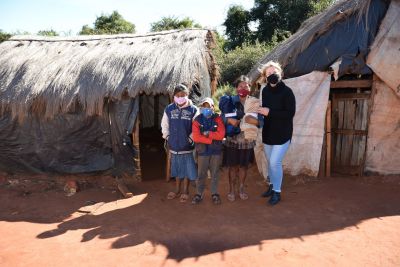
278,109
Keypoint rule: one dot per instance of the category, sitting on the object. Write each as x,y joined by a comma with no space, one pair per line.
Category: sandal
197,199
183,198
242,194
172,195
231,197
216,199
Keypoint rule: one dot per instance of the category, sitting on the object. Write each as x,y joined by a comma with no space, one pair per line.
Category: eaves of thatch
58,72
311,30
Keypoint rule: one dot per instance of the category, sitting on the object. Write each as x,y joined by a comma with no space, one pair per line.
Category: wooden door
349,132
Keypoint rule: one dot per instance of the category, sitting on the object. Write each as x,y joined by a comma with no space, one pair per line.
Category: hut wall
383,145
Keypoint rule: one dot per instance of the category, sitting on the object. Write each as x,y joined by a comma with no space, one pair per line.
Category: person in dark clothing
238,151
278,109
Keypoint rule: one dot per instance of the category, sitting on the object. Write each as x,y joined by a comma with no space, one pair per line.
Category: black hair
181,88
242,78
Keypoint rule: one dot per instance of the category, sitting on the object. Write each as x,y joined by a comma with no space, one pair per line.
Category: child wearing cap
208,132
176,127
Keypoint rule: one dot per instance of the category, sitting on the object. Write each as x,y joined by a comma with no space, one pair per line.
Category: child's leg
202,165
177,185
174,194
215,164
185,186
233,170
242,179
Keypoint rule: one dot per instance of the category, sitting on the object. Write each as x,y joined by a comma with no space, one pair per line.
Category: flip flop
231,197
172,195
184,198
243,196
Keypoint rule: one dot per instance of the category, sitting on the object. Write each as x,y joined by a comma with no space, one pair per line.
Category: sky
68,16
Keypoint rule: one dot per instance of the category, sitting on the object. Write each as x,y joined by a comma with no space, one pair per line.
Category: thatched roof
59,71
310,31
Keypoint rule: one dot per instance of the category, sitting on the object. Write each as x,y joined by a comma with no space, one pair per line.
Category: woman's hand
263,111
233,122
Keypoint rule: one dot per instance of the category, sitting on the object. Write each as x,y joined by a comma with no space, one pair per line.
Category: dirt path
330,222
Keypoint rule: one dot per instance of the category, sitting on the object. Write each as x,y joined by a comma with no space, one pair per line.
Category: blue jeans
275,155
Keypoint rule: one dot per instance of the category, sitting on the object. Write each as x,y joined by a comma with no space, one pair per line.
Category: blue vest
208,124
180,127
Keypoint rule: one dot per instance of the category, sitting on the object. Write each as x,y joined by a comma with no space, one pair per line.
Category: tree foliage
240,60
237,26
109,24
171,22
273,18
48,33
4,36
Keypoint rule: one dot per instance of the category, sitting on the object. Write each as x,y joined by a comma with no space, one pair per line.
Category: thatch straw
56,72
310,31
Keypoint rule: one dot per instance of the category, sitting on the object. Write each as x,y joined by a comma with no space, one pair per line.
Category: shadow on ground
192,231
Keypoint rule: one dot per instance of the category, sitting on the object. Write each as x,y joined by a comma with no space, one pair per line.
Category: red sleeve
197,136
220,133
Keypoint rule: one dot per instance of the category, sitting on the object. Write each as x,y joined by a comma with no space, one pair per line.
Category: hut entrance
349,125
152,153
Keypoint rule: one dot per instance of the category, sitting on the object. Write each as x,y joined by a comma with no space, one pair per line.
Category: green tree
237,26
240,60
4,36
48,33
109,24
278,18
171,22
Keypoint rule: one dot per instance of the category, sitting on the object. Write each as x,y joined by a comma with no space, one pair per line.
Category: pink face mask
181,100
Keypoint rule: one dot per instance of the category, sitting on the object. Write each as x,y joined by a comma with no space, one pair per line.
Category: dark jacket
180,127
231,104
278,125
211,144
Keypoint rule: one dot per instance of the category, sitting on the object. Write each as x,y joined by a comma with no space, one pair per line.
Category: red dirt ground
342,221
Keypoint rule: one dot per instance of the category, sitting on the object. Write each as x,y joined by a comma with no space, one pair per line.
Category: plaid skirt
238,151
183,166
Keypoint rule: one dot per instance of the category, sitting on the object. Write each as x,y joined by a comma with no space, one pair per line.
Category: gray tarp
71,143
384,58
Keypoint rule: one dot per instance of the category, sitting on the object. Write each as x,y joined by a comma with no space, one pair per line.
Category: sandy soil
341,221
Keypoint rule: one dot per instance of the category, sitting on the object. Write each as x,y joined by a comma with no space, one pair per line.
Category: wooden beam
328,140
349,132
352,84
351,96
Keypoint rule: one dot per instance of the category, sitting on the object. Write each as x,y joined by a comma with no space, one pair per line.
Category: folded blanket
249,122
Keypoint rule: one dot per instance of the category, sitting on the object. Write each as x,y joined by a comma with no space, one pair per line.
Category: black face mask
273,78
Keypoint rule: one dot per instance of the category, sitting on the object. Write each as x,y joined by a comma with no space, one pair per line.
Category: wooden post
168,167
136,144
328,140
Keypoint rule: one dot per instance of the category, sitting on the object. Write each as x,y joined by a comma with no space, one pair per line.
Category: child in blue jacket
176,127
